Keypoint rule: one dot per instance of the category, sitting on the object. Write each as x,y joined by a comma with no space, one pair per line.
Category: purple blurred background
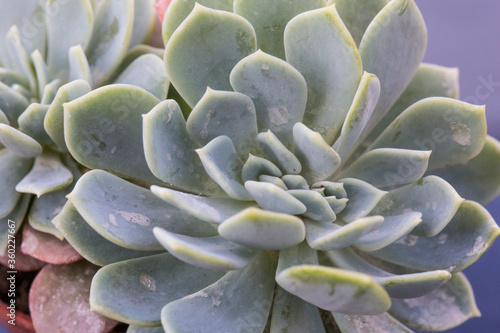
466,34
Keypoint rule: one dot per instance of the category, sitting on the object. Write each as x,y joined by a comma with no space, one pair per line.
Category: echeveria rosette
52,52
271,193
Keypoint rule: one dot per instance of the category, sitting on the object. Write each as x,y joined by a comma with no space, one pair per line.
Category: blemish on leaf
148,281
134,218
460,134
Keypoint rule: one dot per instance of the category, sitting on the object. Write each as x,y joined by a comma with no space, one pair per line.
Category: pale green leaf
18,142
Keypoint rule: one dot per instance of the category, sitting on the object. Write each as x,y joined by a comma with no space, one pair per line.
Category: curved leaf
392,48
47,175
13,221
170,151
319,45
240,299
278,91
275,151
126,214
12,103
408,285
88,243
224,113
363,197
272,198
79,68
144,22
439,310
455,131
71,26
432,196
222,163
134,291
54,119
111,34
319,161
387,167
146,72
103,130
255,167
31,122
464,240
262,229
329,236
317,206
19,143
369,324
477,179
204,49
12,169
213,210
211,253
45,208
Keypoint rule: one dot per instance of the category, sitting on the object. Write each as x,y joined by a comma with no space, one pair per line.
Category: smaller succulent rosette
284,177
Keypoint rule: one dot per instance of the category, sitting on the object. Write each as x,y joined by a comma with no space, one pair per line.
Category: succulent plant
305,159
52,52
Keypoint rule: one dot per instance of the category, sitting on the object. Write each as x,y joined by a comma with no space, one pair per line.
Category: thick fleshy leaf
111,34
269,20
428,81
13,221
256,166
228,303
29,15
319,161
392,48
464,240
357,15
59,298
79,68
224,113
330,288
293,315
273,180
398,286
103,130
12,103
455,131
331,188
3,118
369,324
134,291
12,169
477,179
363,197
393,228
146,72
440,310
213,210
31,123
126,214
20,57
329,236
432,196
54,119
359,114
170,151
204,49
295,182
276,152
273,198
262,229
88,243
209,252
387,167
10,77
144,21
50,90
132,55
47,175
317,206
318,44
71,26
178,10
222,163
41,71
19,143
278,91
47,248
45,208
